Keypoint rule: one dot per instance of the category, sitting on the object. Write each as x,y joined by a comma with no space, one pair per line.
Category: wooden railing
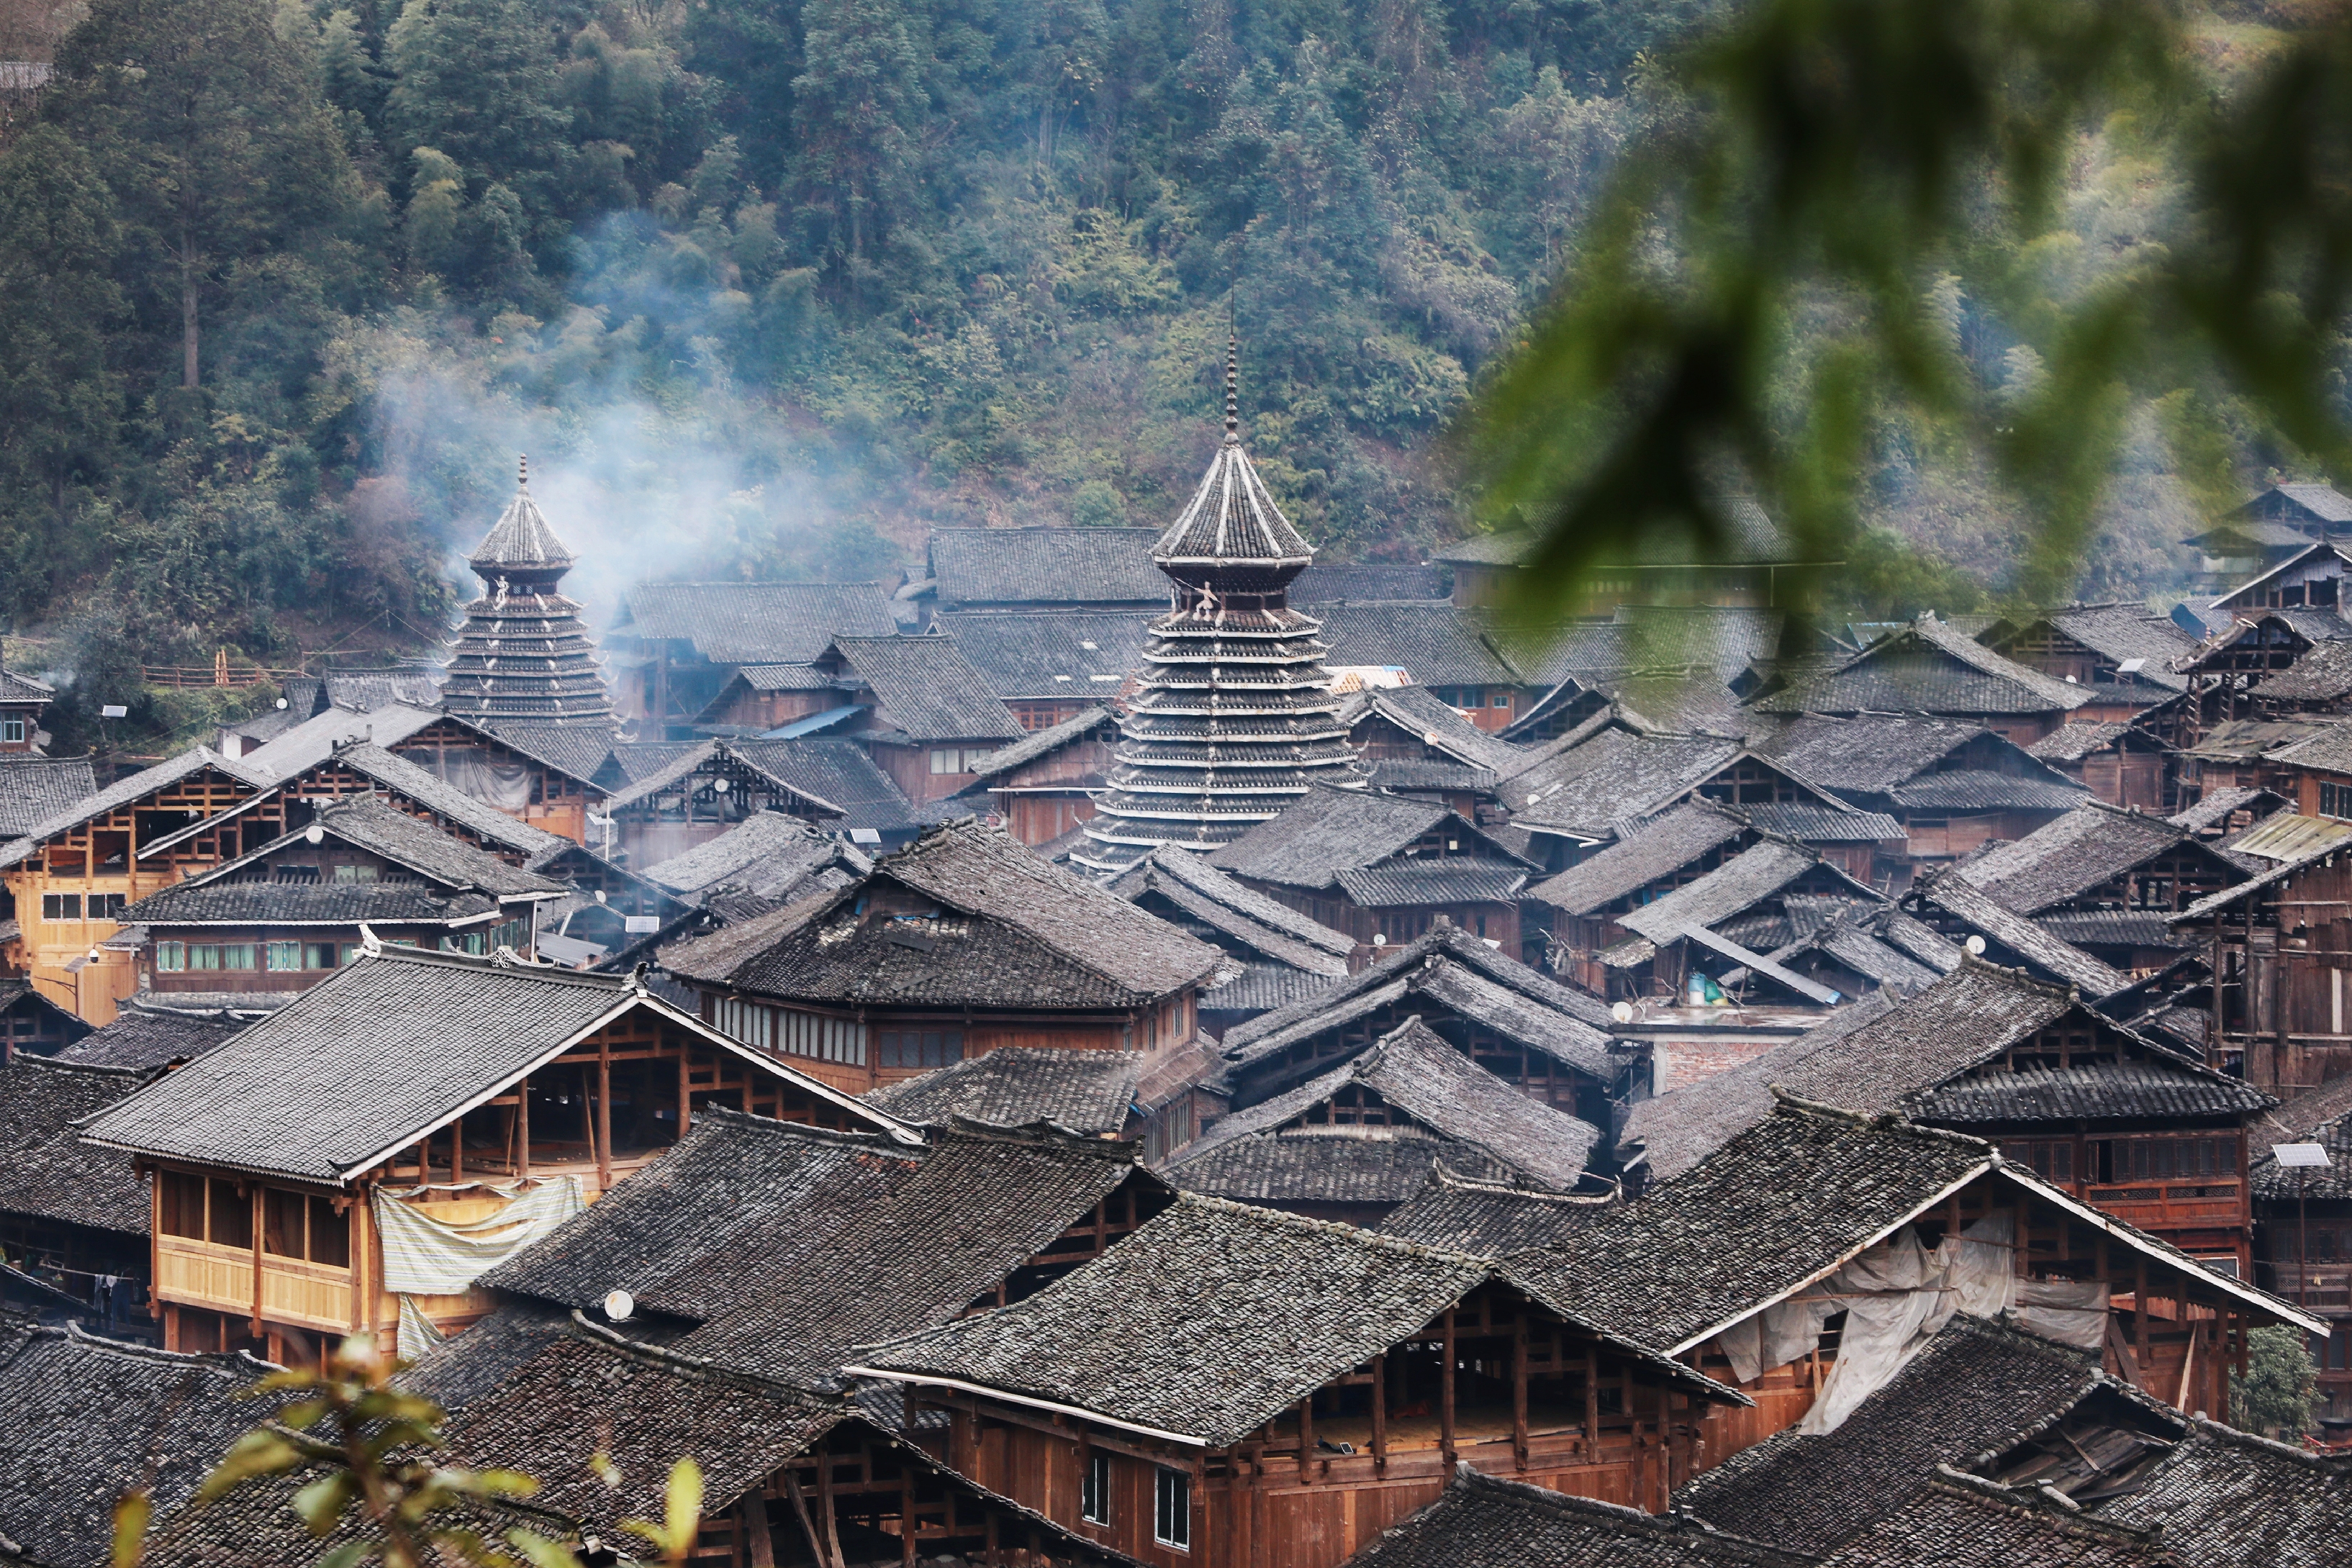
219,673
199,1273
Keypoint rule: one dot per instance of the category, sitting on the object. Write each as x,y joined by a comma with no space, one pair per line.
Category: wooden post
685,1088
1665,1447
1520,1386
522,1130
1445,1393
2024,1236
355,1221
799,1507
457,1150
907,1529
602,1131
257,1262
755,1529
1592,1403
833,1526
1380,1415
2140,1302
1305,1434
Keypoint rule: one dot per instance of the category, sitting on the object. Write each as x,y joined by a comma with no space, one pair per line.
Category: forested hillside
768,286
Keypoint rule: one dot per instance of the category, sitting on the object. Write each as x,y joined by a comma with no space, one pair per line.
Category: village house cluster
1134,1047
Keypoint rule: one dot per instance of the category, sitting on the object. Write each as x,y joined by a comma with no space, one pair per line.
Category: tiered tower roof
523,655
1234,720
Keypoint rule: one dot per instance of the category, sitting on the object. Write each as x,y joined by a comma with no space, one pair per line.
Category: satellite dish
1975,946
619,1305
1622,1012
718,785
1379,940
600,896
315,834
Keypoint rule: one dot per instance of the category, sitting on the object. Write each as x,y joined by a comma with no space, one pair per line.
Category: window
322,955
12,728
61,906
309,1227
2052,1161
2336,801
919,1047
782,1032
1171,1509
281,957
216,956
358,872
1094,1489
108,905
1499,699
954,758
171,957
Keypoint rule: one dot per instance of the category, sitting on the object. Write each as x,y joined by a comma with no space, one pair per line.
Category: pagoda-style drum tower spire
523,656
1234,720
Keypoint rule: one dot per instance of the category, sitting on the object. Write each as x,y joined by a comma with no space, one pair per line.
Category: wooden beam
1380,1415
1520,1386
752,1516
2139,1305
1591,1402
1306,1435
1445,1392
257,1262
522,1130
602,1132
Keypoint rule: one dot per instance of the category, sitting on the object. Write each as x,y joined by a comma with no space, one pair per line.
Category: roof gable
927,688
1331,830
2089,846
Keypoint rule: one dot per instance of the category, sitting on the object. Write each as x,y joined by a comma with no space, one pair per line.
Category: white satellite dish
315,834
600,896
719,785
1622,1012
1975,944
281,702
619,1305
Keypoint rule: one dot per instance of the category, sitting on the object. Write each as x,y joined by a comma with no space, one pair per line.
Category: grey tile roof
1959,1521
1085,1090
1657,848
927,688
2106,1091
1262,986
2218,806
755,623
1979,790
522,539
1333,830
1017,931
2073,742
370,1058
839,771
2115,927
2092,844
90,1420
1231,519
1486,1520
1869,753
1853,939
575,750
1418,711
319,737
1816,824
1046,566
47,1172
2127,632
1944,892
1487,1218
2227,1500
768,853
1046,653
144,1037
1614,778
320,903
1974,1386
122,792
1237,912
1927,667
1749,878
19,689
1437,643
2322,674
1453,1111
1422,884
35,788
1208,1322
1777,1206
1327,583
1039,743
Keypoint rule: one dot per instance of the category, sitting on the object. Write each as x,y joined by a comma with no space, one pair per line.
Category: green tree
480,80
856,107
209,129
2280,1388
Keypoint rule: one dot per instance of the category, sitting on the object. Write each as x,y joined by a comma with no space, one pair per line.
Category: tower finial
522,471
1232,387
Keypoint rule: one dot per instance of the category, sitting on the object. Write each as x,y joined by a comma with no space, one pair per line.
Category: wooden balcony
2325,1286
201,1274
2161,1207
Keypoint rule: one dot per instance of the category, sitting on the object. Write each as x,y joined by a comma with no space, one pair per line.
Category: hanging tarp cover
424,1257
416,1334
1898,1295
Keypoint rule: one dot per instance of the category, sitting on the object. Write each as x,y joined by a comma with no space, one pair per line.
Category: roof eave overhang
925,1380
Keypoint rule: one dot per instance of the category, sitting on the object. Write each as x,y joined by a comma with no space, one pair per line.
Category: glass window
236,956
1499,699
61,906
171,957
357,873
1172,1512
1094,1489
319,954
12,728
281,957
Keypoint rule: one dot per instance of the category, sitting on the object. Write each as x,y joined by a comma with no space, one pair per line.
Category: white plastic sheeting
1896,1296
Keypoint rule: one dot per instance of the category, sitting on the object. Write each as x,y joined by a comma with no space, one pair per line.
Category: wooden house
1807,1229
1543,1039
2120,652
283,916
711,788
22,698
1282,954
960,943
34,789
2118,762
2303,1216
1958,909
1048,666
32,1025
1382,868
1042,785
71,1215
1354,1142
335,1165
1271,1427
1579,912
1419,745
758,698
766,861
1445,651
2278,954
2274,527
1952,784
2309,579
1090,1093
674,645
1716,921
73,874
1933,668
921,709
2231,666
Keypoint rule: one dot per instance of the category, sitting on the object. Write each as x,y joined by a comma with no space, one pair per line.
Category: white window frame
1167,1485
1094,1489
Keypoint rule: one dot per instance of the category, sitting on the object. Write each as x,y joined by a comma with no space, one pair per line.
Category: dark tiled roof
122,792
1818,825
755,623
1237,910
1085,1090
1208,1322
1401,964
1655,850
2094,1092
35,788
2115,927
1418,883
1957,1521
927,688
1481,1522
144,1038
2073,742
519,538
2217,807
2094,843
368,1059
1756,873
1436,644
1454,1110
2324,674
2226,1499
575,750
1404,774
1038,743
1870,753
1418,711
1333,830
1928,668
1948,892
1982,790
1592,790
1046,566
1045,653
1327,583
1781,1204
47,1172
323,734
90,1420
1972,1387
1019,931
838,771
768,853
2127,632
17,688
1262,988
320,903
1232,518
1487,1219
